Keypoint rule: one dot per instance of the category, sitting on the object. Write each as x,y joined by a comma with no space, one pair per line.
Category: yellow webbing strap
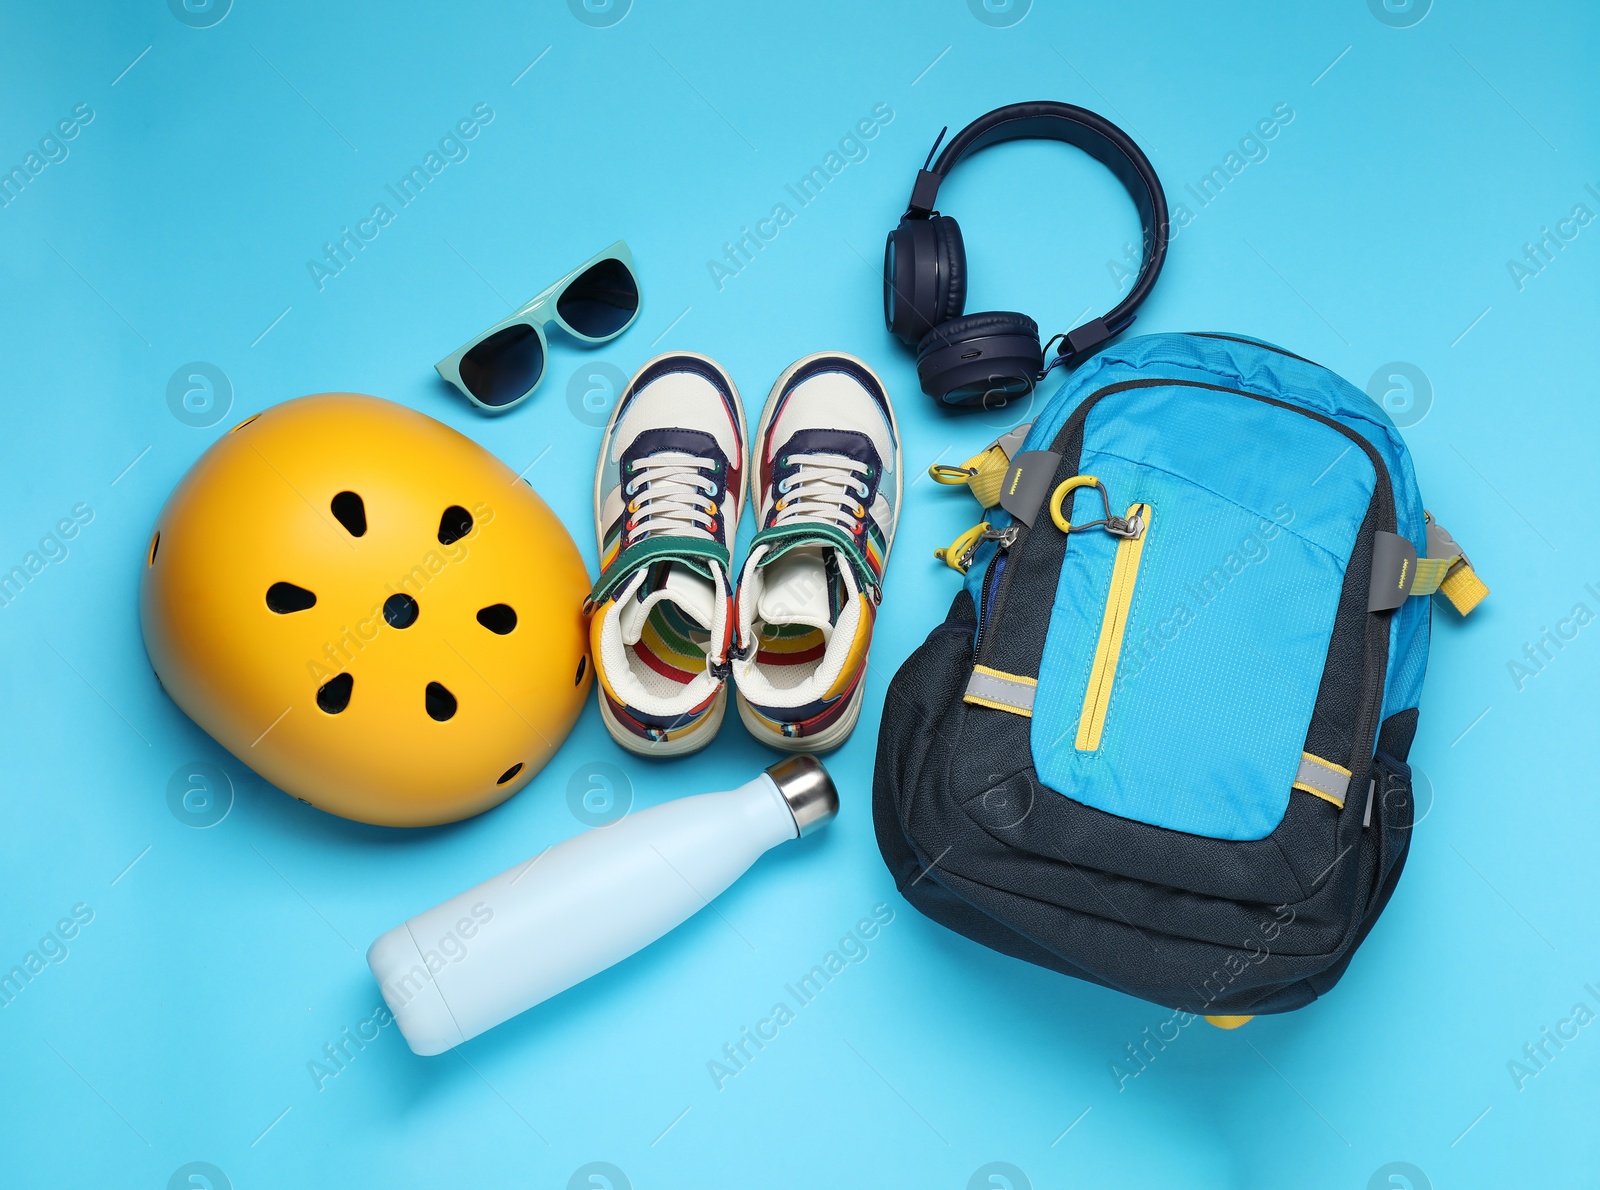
984,472
1447,571
1453,578
1430,574
1463,588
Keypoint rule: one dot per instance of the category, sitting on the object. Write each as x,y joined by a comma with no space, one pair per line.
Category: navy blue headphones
988,358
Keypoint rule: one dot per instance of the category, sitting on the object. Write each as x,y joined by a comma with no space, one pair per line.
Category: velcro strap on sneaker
780,539
697,553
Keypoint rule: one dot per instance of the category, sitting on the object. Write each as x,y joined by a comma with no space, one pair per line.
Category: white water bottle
580,906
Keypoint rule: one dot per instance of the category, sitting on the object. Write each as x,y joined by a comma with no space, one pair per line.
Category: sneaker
827,498
667,495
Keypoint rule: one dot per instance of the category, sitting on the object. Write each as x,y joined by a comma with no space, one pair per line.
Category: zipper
997,564
1113,626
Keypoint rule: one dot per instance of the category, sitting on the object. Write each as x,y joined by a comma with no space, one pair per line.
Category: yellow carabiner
949,474
1063,490
961,549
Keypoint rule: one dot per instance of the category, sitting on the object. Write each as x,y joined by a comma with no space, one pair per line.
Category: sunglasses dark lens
504,367
601,300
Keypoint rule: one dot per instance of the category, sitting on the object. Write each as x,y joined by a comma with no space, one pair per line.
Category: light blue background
1377,229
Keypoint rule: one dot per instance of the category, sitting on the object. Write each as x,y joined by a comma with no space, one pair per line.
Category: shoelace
824,488
667,494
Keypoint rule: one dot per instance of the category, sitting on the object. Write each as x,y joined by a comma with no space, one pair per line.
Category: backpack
1160,740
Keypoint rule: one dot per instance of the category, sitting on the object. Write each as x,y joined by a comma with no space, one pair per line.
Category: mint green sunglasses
594,303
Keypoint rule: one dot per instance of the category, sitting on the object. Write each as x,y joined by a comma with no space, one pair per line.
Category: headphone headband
1107,144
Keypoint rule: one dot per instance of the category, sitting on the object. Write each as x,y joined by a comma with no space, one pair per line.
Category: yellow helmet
369,610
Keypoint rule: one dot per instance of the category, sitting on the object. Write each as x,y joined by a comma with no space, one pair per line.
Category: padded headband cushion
1102,140
1076,126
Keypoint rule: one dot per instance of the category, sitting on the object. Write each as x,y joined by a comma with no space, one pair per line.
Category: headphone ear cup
952,267
981,359
924,276
909,265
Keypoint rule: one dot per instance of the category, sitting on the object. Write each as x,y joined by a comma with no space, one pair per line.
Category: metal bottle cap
808,790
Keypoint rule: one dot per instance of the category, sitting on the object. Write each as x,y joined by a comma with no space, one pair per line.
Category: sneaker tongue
694,594
796,588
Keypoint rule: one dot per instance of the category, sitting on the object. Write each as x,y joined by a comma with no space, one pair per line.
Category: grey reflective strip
1323,778
1008,692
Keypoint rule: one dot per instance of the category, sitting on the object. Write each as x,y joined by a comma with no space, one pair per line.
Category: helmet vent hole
351,513
510,773
583,664
334,694
400,610
155,542
498,618
244,423
455,524
440,702
284,598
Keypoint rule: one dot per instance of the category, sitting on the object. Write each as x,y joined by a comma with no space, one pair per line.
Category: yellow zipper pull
959,553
